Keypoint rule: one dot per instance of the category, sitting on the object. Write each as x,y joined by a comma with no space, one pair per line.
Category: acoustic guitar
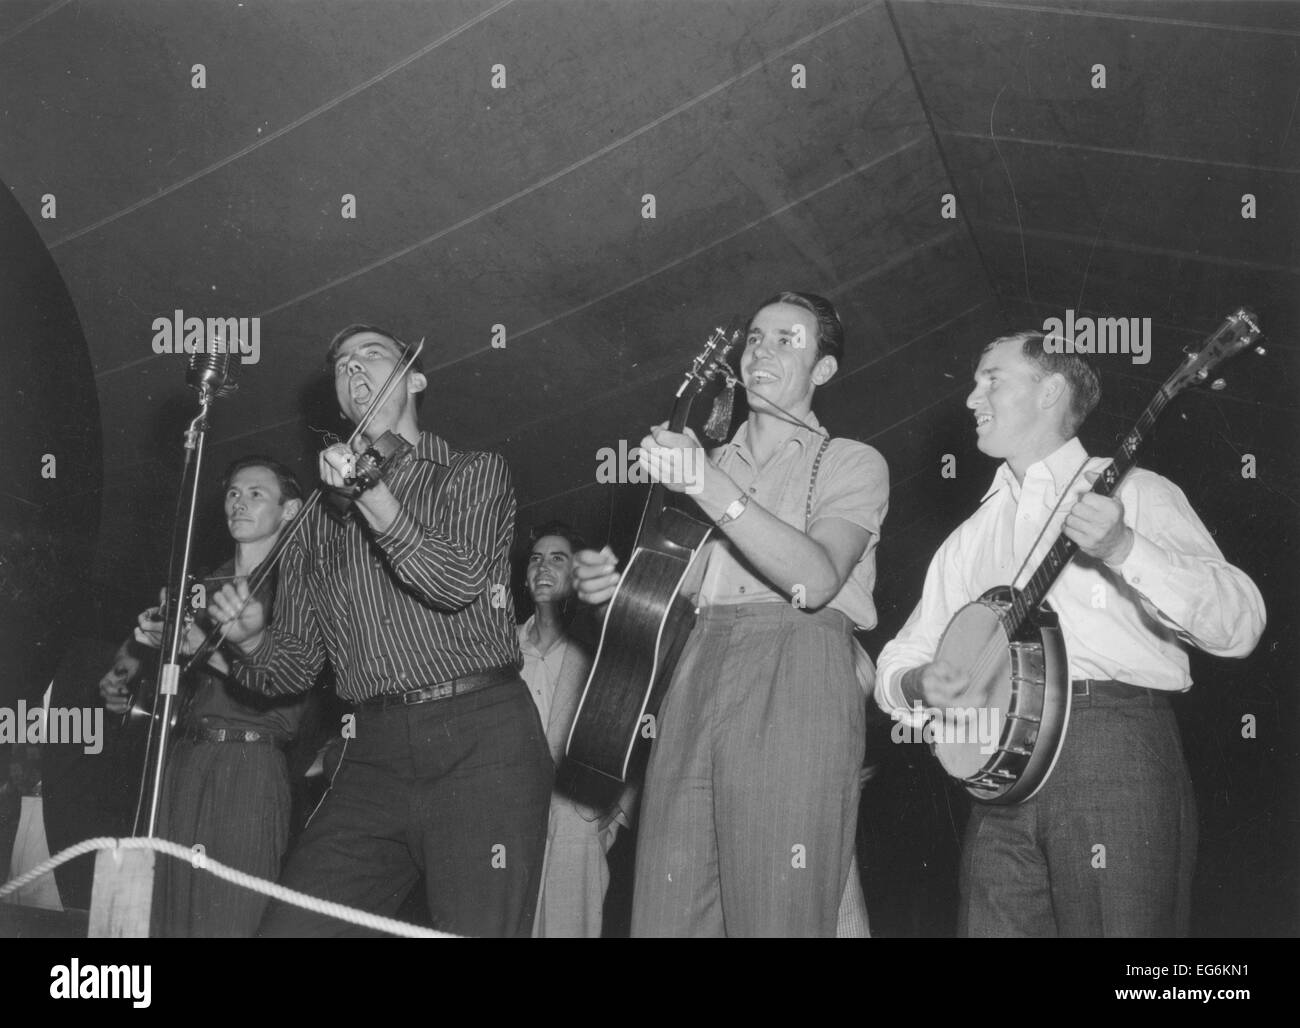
1009,640
648,619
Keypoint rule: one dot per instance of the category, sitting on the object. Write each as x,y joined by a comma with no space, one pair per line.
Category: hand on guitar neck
116,685
149,632
595,575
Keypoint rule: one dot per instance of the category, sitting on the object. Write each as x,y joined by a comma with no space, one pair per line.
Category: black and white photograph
651,469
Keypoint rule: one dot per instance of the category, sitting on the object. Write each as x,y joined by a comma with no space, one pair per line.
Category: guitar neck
659,496
1064,549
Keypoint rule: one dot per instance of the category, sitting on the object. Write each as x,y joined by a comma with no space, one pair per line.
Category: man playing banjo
1107,845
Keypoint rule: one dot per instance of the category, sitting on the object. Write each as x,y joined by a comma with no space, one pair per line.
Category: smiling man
446,769
1148,580
226,785
751,796
576,873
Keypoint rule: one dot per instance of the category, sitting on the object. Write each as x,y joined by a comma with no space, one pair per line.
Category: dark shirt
424,602
218,702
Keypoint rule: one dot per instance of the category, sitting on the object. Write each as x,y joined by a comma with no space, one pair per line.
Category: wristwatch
734,509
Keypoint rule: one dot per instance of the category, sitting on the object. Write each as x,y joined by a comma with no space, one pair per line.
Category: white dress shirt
541,671
1127,623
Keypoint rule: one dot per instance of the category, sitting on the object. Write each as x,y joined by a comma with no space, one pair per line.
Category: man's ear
291,508
824,370
416,382
1055,391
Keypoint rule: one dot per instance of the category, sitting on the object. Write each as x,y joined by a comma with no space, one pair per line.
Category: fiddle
370,462
369,467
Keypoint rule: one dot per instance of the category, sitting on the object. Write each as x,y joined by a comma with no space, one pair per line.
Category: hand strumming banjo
1009,643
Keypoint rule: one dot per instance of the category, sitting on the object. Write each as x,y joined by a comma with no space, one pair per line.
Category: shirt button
742,588
753,489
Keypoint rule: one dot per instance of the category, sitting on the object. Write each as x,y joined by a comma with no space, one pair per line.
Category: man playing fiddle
446,770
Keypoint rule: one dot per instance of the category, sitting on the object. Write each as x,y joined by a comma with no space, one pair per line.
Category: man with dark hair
226,785
575,875
445,770
750,805
1148,578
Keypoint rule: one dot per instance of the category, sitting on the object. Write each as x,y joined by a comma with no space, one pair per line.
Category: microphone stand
175,623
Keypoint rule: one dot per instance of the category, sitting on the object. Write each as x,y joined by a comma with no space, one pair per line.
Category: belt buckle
414,696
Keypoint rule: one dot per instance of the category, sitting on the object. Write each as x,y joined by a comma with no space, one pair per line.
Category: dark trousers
1106,848
233,800
458,789
750,810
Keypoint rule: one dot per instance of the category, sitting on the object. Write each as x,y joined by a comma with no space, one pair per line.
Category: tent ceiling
523,207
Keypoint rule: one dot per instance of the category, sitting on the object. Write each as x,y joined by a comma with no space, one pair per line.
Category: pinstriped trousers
233,799
751,798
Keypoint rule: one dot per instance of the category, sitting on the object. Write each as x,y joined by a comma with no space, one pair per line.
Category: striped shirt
424,602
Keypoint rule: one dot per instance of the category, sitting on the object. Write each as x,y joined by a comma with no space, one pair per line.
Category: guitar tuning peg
1218,384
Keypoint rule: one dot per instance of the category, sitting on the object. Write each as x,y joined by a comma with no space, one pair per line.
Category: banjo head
967,736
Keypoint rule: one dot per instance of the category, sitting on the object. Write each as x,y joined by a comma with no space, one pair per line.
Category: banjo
1009,641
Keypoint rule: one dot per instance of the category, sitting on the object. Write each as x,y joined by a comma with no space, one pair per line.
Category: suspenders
812,481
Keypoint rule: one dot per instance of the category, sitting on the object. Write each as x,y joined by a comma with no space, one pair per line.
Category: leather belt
1108,687
232,735
443,690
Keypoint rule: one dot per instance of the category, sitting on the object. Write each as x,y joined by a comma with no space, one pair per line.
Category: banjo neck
1009,641
1063,550
1238,331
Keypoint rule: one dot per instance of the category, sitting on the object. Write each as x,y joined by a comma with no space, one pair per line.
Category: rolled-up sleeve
853,485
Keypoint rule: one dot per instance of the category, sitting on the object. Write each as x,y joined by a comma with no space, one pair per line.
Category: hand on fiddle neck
377,504
244,618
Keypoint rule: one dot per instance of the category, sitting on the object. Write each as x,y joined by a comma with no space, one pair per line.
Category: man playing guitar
751,794
1107,846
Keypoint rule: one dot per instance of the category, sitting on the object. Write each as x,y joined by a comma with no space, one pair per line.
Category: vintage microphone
210,374
213,372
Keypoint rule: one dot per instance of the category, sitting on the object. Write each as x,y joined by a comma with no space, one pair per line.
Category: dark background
522,207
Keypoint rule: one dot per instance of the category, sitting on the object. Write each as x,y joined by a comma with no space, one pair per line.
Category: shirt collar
433,447
526,643
1061,465
740,441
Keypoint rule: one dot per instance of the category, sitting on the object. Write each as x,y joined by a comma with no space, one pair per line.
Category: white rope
204,863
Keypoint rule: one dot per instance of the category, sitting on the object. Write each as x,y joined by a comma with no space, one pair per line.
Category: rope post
122,897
